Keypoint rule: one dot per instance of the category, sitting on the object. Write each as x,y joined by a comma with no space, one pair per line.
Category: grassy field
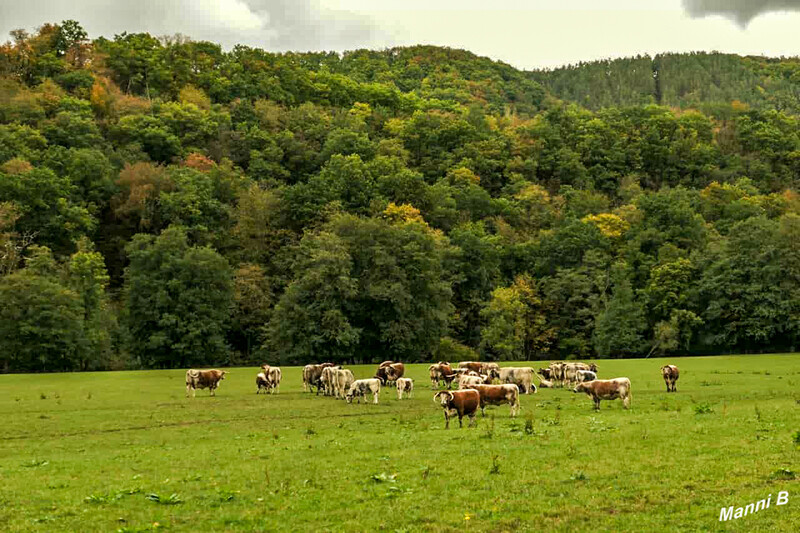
127,451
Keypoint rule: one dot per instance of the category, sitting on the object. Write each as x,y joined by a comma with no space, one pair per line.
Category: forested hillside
710,82
165,203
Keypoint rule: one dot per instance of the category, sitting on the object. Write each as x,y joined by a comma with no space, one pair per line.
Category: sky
525,33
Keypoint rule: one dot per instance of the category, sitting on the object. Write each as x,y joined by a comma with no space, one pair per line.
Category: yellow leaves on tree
16,166
609,224
402,213
192,95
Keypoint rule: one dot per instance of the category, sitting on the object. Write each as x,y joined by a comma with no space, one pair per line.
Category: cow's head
580,387
222,375
443,397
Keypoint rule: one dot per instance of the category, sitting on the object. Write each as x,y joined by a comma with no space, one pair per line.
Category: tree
516,325
364,289
41,320
179,299
620,323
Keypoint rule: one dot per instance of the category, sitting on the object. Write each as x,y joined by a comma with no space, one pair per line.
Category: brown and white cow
404,386
311,376
203,379
607,389
476,366
522,377
458,403
441,372
671,375
394,372
498,395
361,387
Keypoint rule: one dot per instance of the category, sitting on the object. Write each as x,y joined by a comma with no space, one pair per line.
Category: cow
498,395
607,389
492,370
557,372
203,379
477,366
521,377
263,383
311,376
361,387
671,375
466,382
458,403
546,373
593,368
275,376
437,371
394,372
546,384
571,372
327,380
342,379
404,385
585,375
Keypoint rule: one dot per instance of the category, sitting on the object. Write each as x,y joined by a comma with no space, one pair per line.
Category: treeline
164,203
709,82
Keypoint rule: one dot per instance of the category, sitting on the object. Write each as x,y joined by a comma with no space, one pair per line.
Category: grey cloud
741,11
270,24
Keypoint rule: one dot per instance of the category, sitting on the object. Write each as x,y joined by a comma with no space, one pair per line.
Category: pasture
127,451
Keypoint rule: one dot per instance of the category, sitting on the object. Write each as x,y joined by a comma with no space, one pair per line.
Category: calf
521,377
461,403
203,379
404,385
361,387
671,375
545,384
498,395
585,375
263,383
438,372
607,389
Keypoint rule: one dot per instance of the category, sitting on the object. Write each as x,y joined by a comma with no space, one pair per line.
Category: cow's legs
375,396
597,404
446,420
472,420
188,388
627,401
460,422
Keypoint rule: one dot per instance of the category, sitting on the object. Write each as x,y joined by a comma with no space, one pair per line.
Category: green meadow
127,451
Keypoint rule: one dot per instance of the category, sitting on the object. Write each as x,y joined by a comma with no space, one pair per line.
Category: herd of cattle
476,387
